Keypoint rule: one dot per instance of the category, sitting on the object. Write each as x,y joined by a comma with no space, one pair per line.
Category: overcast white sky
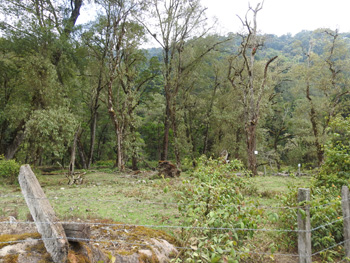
283,16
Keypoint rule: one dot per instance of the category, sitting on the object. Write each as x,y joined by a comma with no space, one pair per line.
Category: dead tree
243,78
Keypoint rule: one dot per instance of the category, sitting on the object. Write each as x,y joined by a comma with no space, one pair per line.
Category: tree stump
168,169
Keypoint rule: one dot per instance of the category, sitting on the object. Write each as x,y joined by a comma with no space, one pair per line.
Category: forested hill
92,89
284,44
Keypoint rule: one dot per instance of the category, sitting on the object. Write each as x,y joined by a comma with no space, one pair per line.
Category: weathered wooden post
346,219
304,226
53,234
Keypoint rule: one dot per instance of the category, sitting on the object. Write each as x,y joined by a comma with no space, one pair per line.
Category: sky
282,16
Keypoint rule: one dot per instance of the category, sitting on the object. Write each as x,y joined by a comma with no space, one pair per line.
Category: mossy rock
123,243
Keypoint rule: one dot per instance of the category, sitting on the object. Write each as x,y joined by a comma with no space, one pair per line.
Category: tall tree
325,81
244,77
39,30
127,74
175,23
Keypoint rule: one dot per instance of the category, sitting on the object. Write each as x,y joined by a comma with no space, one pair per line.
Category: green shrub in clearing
212,202
9,169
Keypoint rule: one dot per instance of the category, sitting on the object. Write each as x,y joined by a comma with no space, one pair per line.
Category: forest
82,94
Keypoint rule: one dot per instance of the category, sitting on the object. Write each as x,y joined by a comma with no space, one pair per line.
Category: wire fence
123,226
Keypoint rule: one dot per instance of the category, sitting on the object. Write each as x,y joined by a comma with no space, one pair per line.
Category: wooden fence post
346,219
53,234
304,226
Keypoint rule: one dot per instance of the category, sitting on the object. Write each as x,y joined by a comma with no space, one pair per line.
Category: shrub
325,194
212,199
336,168
9,169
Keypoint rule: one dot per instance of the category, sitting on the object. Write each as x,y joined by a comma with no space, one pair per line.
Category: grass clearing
117,196
139,199
127,198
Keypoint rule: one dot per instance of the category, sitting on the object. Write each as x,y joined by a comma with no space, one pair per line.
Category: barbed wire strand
345,259
328,248
263,253
330,223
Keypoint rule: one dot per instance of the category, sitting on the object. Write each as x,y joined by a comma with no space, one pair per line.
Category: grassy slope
125,198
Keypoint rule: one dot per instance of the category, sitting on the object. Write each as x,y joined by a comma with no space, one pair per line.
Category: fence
304,230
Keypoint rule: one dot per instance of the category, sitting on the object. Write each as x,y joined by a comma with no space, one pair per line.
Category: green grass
268,189
116,196
130,199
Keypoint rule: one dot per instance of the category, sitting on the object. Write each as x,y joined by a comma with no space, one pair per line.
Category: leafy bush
325,195
212,202
325,207
336,168
9,169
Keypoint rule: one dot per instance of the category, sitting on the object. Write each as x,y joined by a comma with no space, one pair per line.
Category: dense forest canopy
95,90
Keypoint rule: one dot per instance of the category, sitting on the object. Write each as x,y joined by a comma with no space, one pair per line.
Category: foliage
336,168
325,194
49,132
177,95
9,169
213,204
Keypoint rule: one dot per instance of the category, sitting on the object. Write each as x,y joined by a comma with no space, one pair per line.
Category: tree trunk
238,140
12,149
319,148
176,143
134,156
117,127
209,112
164,155
189,134
72,156
251,147
92,138
82,155
101,140
313,115
120,161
